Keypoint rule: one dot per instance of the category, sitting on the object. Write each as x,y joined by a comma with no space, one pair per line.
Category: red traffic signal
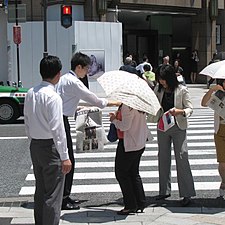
67,10
66,16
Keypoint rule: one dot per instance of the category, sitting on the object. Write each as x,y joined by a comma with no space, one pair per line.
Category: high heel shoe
140,210
126,212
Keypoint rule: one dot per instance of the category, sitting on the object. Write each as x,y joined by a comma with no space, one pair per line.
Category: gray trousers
184,176
49,182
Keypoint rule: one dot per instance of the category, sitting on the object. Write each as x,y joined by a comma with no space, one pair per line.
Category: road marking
148,187
198,136
11,138
144,174
146,153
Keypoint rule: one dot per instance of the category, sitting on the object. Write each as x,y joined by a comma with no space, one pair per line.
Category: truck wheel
9,111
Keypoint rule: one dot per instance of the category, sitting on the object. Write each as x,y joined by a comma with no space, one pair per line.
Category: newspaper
166,121
217,103
90,131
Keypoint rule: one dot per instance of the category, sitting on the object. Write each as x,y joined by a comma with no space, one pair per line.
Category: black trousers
69,176
127,174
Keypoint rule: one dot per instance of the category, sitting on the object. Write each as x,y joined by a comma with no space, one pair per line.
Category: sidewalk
202,211
107,215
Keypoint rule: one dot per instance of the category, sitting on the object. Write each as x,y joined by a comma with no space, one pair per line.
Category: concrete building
150,27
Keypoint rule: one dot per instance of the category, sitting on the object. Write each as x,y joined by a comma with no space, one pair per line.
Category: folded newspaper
217,103
166,121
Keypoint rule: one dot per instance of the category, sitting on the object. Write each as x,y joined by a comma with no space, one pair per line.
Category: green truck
11,103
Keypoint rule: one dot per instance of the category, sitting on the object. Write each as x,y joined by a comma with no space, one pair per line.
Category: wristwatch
184,114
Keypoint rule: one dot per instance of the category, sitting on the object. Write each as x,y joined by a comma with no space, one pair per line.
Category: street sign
17,34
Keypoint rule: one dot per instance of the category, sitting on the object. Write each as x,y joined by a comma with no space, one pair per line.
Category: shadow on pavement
97,215
204,204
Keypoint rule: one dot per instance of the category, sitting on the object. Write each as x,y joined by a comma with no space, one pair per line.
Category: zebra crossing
94,171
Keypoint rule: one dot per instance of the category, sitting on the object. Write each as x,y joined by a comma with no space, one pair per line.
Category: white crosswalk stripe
97,168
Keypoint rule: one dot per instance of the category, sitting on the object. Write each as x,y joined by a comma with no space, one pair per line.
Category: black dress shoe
69,206
126,212
73,201
185,201
162,197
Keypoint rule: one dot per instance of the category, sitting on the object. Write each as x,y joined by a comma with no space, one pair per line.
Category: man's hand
66,166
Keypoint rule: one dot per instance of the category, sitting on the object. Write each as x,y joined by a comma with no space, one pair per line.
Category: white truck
11,103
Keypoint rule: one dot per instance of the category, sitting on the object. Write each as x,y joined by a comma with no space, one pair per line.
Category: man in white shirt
141,65
44,126
72,90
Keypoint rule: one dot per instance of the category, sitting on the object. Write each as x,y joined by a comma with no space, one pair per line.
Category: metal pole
45,29
17,45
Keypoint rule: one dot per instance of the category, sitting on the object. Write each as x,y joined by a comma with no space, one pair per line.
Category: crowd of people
46,111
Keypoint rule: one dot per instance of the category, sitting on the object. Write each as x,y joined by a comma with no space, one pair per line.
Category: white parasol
130,90
215,70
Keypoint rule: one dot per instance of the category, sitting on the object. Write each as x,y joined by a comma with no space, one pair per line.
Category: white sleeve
90,97
56,124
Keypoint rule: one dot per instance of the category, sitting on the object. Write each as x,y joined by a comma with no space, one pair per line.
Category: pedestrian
72,90
174,98
194,66
219,133
141,65
166,61
128,67
179,72
48,148
132,137
149,76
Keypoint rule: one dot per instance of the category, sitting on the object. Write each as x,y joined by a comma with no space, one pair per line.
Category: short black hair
167,73
146,67
80,59
50,66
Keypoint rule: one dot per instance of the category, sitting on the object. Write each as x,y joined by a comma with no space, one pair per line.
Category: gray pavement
19,210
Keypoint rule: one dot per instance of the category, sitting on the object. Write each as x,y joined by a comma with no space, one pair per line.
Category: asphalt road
15,160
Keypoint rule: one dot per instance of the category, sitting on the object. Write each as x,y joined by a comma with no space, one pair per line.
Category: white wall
3,47
31,49
85,35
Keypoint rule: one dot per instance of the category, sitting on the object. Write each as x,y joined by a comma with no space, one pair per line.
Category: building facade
151,27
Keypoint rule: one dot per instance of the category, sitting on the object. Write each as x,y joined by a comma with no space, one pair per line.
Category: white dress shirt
72,90
44,118
141,67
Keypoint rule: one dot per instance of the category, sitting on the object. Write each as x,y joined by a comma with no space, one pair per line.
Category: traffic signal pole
17,46
45,29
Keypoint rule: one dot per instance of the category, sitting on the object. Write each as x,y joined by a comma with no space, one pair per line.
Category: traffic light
66,16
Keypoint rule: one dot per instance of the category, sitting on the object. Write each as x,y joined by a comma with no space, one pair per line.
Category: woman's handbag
112,135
